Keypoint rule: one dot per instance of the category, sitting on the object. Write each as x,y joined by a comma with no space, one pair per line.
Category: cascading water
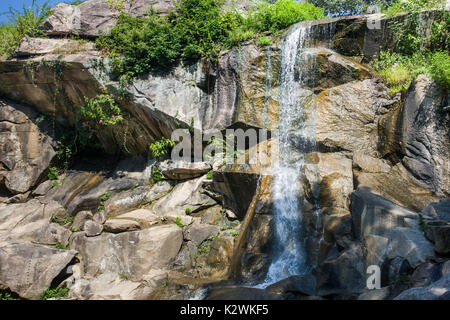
295,139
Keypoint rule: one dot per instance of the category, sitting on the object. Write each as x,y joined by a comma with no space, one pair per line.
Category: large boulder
182,170
387,231
128,199
30,221
346,116
93,17
439,290
42,46
425,135
29,269
110,286
413,195
342,274
131,253
26,152
186,198
414,135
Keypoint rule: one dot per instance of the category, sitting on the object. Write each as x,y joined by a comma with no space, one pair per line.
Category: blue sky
18,4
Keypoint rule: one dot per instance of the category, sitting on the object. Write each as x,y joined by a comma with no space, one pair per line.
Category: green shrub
61,246
156,175
57,293
400,6
203,29
178,222
281,14
398,70
349,7
103,199
23,23
161,147
53,173
7,295
145,45
264,41
440,68
102,110
198,28
209,175
188,211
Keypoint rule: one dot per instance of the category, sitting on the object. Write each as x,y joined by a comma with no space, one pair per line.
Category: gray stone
438,290
26,221
134,253
300,285
27,152
182,170
29,269
185,195
53,234
197,232
129,199
93,17
43,188
438,210
376,294
342,274
121,225
409,244
42,46
80,219
92,228
425,135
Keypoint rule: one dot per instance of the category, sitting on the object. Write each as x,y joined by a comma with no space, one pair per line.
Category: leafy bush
264,41
156,175
349,7
399,6
199,28
440,68
179,223
103,199
398,70
203,29
102,110
57,293
53,173
145,44
188,211
281,14
23,23
415,51
161,147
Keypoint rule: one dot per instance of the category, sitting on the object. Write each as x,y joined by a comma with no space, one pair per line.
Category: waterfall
295,136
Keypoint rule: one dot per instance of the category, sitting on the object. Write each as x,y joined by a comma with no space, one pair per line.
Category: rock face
93,17
425,139
436,291
37,46
29,269
180,170
132,253
356,105
26,152
186,198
